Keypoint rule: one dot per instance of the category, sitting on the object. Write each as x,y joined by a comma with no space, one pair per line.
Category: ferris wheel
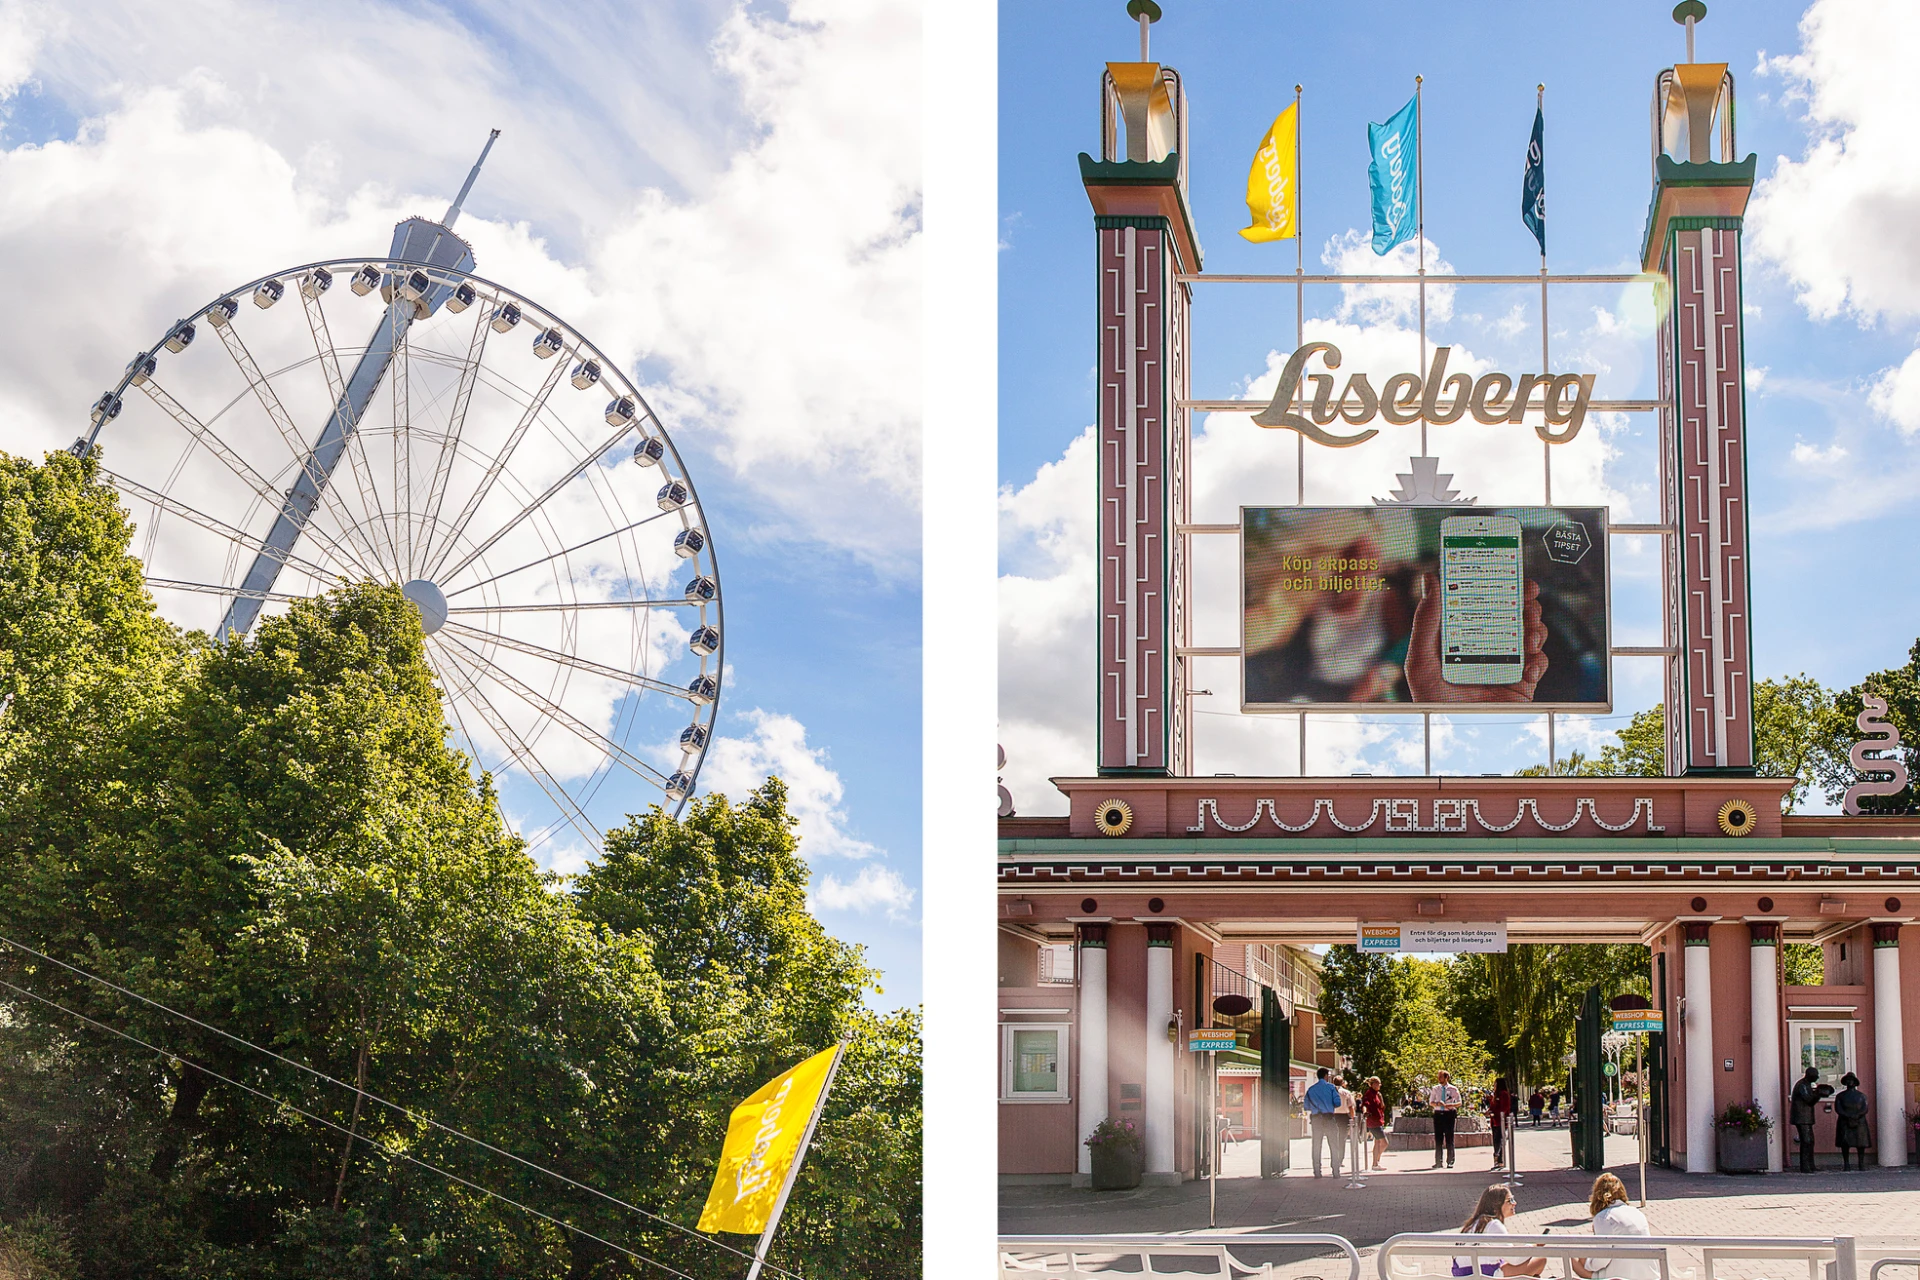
403,420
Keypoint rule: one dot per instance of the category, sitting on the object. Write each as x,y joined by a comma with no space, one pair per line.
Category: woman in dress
1489,1217
1614,1215
1850,1128
1373,1111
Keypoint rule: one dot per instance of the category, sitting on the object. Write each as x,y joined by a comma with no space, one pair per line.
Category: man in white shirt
1444,1097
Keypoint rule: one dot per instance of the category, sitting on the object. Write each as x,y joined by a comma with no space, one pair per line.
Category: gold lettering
1400,399
1523,392
1489,404
1572,416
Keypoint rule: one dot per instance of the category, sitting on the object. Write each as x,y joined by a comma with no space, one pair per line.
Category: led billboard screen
1391,608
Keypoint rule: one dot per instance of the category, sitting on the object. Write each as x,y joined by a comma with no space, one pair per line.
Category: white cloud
876,888
1047,541
1895,395
778,746
1842,221
1810,455
727,208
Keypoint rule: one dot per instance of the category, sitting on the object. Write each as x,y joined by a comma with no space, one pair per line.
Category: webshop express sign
1435,397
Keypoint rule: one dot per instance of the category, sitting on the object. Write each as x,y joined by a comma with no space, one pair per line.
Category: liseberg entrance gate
1161,892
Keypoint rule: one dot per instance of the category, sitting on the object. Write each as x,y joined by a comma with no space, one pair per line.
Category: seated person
1489,1217
1614,1215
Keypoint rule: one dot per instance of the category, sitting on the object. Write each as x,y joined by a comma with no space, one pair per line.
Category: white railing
1088,1257
1818,1252
1873,1273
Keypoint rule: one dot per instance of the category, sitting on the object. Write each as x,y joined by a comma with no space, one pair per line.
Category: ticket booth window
1825,1045
1034,1066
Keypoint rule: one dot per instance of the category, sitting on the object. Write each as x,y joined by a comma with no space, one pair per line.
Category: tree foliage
1521,1003
272,837
1364,999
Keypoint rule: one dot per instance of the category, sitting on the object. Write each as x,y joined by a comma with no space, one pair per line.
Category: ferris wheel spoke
479,495
402,446
563,718
345,414
209,589
173,505
572,474
523,755
456,422
289,433
660,515
560,606
261,486
569,660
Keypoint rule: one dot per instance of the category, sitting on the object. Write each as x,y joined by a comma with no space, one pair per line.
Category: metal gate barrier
1224,1255
1826,1257
1077,1257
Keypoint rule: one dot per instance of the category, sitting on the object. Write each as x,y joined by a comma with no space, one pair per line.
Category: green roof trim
1668,172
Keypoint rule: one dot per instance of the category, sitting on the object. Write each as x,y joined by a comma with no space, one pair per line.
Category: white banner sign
1432,935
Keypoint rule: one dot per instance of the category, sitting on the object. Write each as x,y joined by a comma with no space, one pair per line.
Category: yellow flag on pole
1273,183
764,1138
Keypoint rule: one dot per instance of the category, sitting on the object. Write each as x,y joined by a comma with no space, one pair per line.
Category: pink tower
1145,237
1700,192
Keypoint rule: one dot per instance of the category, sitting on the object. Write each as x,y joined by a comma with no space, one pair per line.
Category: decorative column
1693,242
1161,1052
1889,1046
1144,237
1701,1149
1763,957
1092,1071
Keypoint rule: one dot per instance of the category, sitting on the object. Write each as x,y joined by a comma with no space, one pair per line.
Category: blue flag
1395,176
1533,188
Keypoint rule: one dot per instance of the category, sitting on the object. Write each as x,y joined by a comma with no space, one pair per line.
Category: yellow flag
763,1139
1273,183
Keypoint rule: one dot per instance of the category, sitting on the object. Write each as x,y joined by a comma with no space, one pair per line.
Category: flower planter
1117,1166
1743,1152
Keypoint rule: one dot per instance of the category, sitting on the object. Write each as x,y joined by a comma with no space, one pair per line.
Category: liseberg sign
1437,398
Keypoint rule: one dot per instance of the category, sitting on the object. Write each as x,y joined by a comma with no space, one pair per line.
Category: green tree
1793,737
1803,964
1900,686
273,837
1521,1003
1364,1001
1433,1040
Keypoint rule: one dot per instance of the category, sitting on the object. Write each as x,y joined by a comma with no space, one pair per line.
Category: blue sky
1830,319
687,183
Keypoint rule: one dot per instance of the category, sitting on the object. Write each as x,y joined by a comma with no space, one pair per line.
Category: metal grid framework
557,549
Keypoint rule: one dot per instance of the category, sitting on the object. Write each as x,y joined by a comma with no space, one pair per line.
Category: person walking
1500,1112
1489,1217
1444,1097
1553,1107
1614,1215
1373,1113
1536,1103
1850,1127
1323,1105
1801,1106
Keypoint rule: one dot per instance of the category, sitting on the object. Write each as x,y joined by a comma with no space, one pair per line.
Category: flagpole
1420,233
1546,449
793,1170
1299,340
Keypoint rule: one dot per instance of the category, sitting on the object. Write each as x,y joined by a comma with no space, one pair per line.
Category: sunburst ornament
1737,818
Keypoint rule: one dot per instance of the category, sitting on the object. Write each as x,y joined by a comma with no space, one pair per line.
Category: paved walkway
1882,1206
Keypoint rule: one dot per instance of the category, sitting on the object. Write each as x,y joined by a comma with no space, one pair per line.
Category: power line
403,1110
340,1128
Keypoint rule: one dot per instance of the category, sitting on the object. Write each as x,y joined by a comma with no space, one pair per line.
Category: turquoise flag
1395,176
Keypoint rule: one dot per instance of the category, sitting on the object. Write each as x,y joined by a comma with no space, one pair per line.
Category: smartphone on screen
1482,611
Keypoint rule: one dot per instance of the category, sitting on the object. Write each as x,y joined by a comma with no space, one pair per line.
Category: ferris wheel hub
429,600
